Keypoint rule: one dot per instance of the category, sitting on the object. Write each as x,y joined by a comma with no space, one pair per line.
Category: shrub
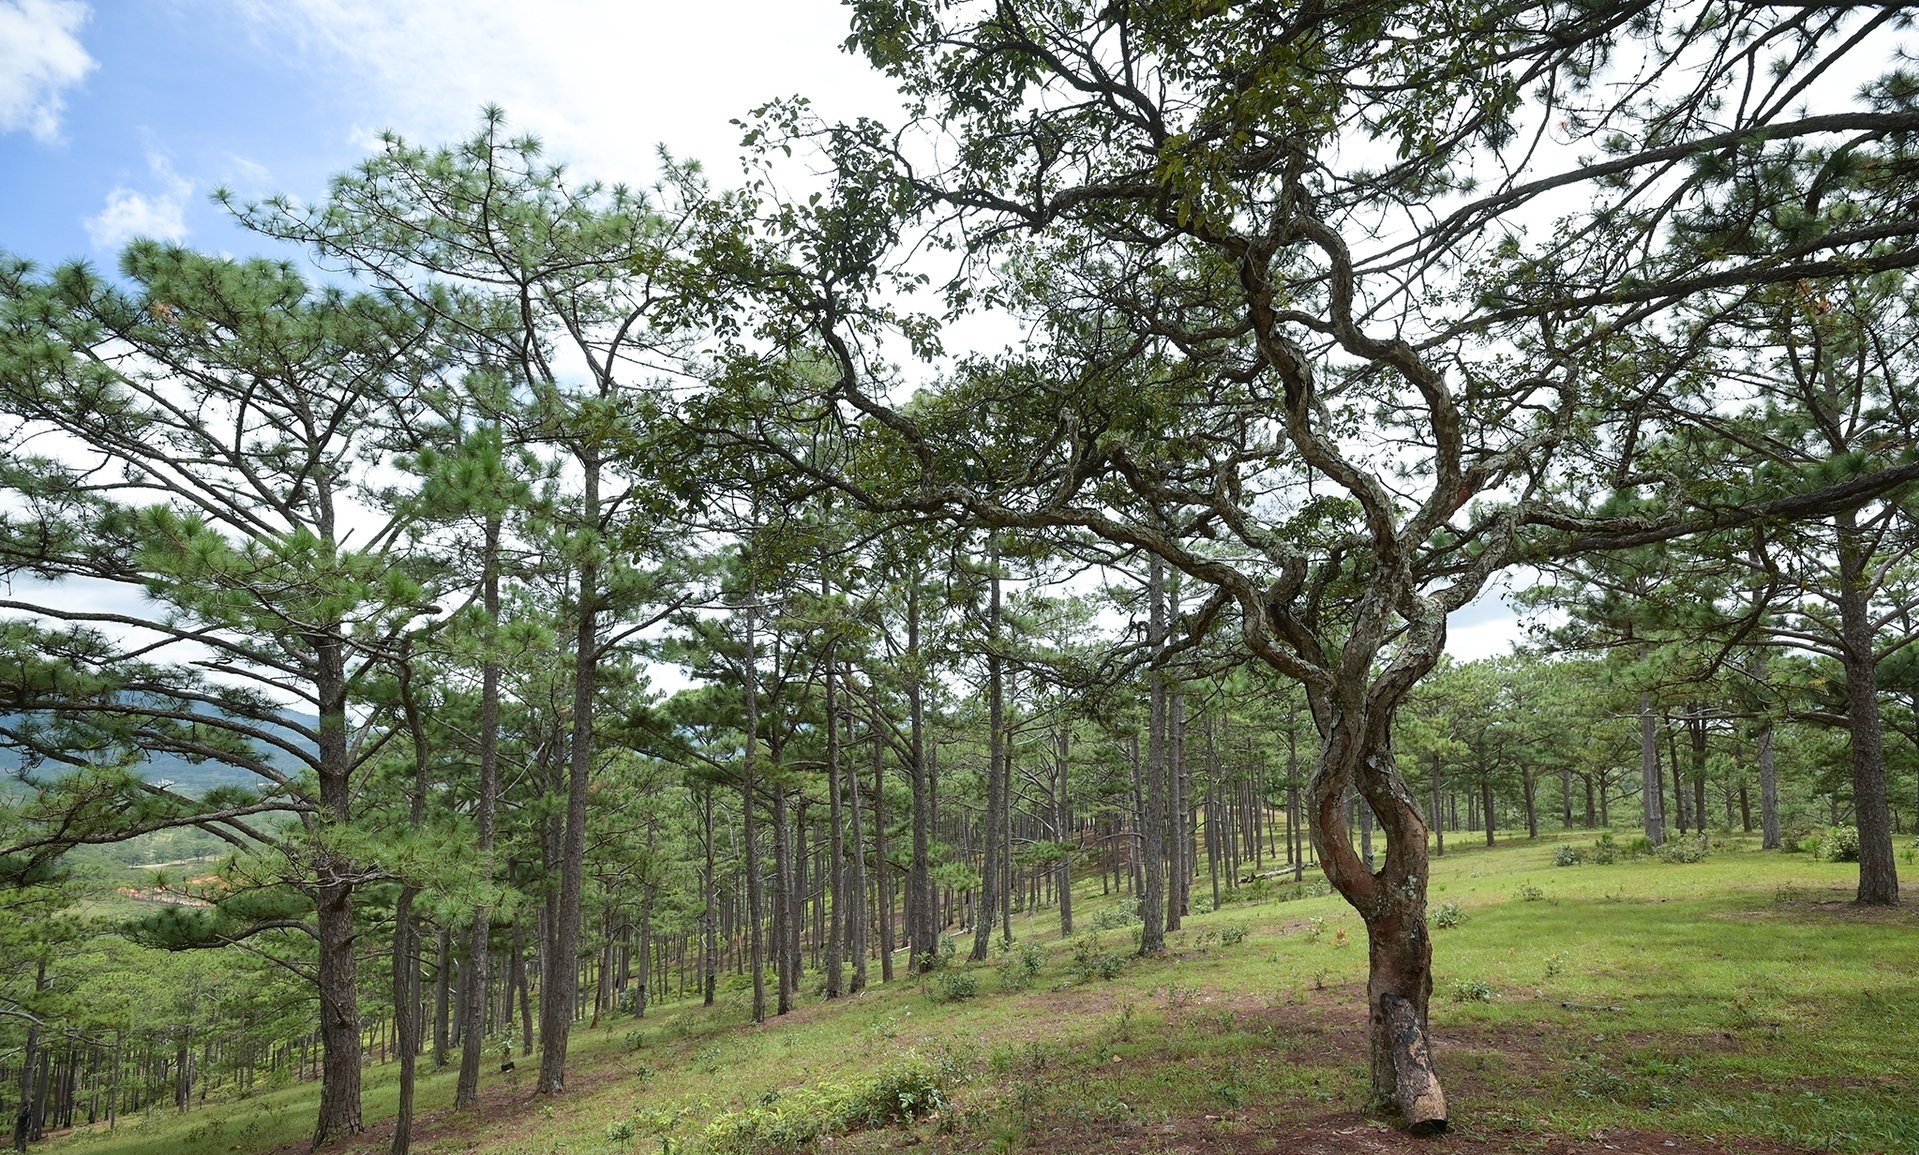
1799,837
1566,856
1017,971
1529,893
798,1118
1686,848
1090,962
1446,916
953,985
1232,935
1114,917
1605,849
1471,991
1839,844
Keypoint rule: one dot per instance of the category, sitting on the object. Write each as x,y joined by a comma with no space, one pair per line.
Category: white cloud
131,213
249,175
43,58
602,82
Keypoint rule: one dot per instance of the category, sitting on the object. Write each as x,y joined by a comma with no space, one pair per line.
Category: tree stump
1422,1105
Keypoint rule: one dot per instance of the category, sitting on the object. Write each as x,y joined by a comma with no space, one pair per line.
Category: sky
119,118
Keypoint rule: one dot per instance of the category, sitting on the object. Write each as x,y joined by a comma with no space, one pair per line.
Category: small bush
1446,916
1529,893
798,1118
1471,991
1839,844
953,985
1800,837
1687,848
1017,971
1566,856
1639,847
1090,962
1232,935
1605,850
1112,918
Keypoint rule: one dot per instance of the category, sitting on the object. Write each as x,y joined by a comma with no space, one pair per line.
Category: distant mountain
187,776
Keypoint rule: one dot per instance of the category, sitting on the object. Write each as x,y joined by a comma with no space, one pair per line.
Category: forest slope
1735,1004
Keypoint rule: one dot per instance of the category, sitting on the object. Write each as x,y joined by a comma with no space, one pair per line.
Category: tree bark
749,805
473,976
992,891
836,824
1062,824
1878,875
1652,780
1422,1105
922,931
560,984
337,967
1152,817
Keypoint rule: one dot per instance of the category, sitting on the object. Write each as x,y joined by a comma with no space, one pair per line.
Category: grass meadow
1738,1004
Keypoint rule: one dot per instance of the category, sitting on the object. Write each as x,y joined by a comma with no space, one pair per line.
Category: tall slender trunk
1878,875
1652,781
785,927
473,976
442,996
836,823
1063,825
709,914
23,1129
922,931
406,932
1696,732
992,892
855,913
1152,813
883,884
1178,864
749,804
337,966
560,983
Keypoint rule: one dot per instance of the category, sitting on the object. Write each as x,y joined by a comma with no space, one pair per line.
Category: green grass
1739,997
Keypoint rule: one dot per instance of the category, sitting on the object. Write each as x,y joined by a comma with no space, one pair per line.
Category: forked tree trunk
1391,901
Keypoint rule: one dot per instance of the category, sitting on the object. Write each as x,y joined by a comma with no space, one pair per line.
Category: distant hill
186,776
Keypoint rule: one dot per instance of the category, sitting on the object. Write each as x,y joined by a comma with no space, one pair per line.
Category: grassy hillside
1736,1004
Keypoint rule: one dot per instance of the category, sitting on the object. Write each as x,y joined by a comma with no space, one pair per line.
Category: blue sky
118,118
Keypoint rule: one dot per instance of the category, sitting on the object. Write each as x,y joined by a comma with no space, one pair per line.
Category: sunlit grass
1739,996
